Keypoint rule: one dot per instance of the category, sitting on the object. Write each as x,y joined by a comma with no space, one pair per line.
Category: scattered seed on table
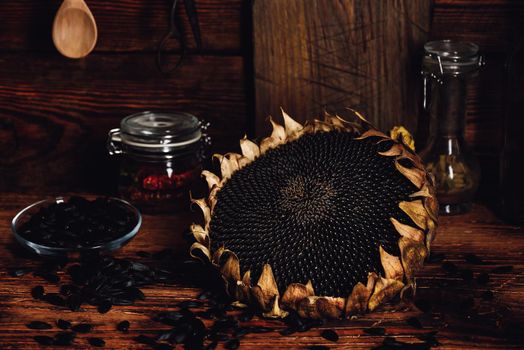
104,307
375,330
49,277
74,302
429,338
414,322
18,272
82,328
37,292
39,325
233,344
502,269
164,346
64,338
123,326
96,342
258,329
43,340
318,347
144,339
329,334
63,324
54,299
473,259
212,345
483,278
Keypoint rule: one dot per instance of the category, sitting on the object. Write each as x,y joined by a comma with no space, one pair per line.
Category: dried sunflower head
329,219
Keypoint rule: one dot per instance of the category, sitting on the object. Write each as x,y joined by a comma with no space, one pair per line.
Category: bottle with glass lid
446,68
161,158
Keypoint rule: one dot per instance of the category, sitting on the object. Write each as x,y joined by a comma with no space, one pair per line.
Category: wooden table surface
494,324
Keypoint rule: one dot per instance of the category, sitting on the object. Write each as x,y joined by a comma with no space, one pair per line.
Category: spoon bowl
74,29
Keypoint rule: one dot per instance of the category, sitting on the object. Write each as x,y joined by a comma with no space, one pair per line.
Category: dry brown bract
414,243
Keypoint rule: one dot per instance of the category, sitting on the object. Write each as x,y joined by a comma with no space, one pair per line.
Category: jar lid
448,57
156,134
160,129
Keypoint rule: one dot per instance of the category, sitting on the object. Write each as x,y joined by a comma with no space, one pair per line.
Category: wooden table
495,324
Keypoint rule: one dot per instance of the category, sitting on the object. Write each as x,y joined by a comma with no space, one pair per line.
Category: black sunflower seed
104,306
487,295
483,278
49,277
260,329
205,295
18,271
64,338
43,340
82,327
189,304
96,342
375,331
318,347
240,332
212,345
473,259
288,331
123,326
54,299
466,274
37,292
414,322
448,266
63,324
329,334
502,269
39,325
233,344
219,336
144,339
143,254
74,302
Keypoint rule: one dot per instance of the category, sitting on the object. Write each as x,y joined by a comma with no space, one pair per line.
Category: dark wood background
55,112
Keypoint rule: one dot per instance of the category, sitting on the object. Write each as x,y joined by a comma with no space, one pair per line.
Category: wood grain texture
489,23
478,232
123,25
56,113
325,55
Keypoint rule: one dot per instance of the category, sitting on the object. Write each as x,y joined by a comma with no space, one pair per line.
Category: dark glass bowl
25,214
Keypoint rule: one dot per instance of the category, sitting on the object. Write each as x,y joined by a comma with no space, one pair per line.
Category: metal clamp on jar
161,157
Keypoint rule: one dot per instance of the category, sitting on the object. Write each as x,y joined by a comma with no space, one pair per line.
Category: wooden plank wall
55,113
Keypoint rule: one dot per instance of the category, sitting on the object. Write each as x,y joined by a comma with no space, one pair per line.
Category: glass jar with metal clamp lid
161,157
447,67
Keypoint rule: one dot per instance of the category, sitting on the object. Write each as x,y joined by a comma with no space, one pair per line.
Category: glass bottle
161,158
446,68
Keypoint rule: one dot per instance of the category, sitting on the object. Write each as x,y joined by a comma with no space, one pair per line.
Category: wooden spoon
74,29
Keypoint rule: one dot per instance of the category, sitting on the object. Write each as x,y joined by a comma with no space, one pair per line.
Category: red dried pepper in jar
161,159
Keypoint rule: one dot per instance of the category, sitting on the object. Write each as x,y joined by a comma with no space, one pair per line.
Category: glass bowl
25,214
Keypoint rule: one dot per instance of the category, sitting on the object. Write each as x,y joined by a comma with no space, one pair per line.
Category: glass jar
447,67
161,158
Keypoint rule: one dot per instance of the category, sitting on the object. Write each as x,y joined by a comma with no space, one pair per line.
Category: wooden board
329,55
56,112
123,25
499,326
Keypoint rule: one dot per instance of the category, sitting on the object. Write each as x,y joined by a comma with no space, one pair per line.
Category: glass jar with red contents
161,158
